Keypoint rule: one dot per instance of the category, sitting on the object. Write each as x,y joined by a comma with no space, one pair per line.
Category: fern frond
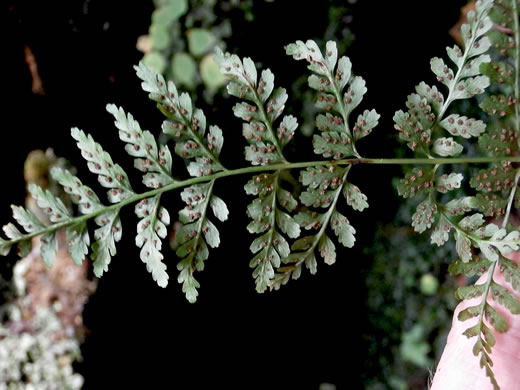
427,111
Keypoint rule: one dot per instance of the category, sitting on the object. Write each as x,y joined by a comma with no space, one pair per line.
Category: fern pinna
291,228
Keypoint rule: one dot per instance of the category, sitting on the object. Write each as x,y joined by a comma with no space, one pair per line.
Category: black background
313,330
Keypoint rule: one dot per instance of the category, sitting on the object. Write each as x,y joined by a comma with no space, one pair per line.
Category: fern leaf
266,142
460,206
185,124
269,219
24,246
155,161
82,195
495,240
201,147
5,247
499,140
330,79
110,175
477,266
493,184
453,208
446,182
343,229
87,201
511,271
499,105
494,179
472,222
461,126
324,185
445,147
57,212
463,247
48,248
27,219
337,145
503,296
327,249
424,215
197,234
500,71
491,205
219,208
53,207
411,130
107,234
159,90
440,234
427,107
79,242
150,230
354,197
415,182
485,338
415,125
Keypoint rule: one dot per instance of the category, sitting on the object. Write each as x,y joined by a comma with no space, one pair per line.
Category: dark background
312,331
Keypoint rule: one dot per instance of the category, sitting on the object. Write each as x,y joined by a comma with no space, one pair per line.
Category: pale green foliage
267,132
497,184
266,141
197,233
331,76
325,184
269,220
